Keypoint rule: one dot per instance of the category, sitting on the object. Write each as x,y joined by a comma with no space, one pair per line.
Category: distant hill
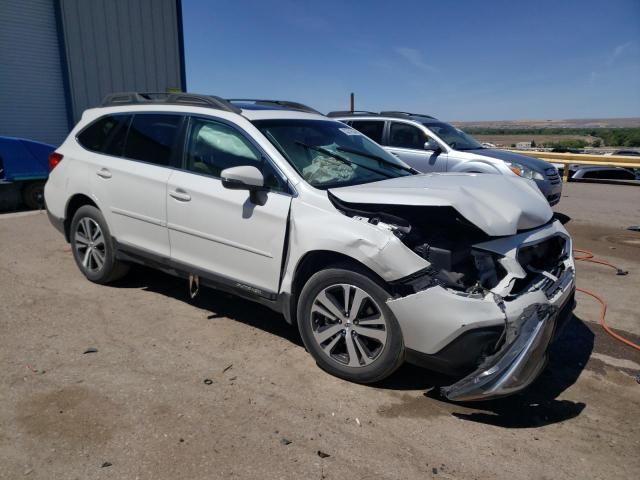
569,123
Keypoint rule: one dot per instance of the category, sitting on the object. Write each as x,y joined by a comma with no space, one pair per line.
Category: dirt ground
221,388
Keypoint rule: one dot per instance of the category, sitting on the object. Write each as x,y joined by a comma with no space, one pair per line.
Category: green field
560,137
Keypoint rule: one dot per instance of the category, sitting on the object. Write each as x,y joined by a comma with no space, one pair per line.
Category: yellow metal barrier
583,159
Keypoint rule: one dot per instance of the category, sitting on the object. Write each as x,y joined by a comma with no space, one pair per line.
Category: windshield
454,137
331,154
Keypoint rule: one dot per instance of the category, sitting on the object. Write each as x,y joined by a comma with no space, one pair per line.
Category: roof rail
396,113
151,98
349,113
280,103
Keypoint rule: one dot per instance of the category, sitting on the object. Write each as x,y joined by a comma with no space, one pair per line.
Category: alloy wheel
90,244
348,325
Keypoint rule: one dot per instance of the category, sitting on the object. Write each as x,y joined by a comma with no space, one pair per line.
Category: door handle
180,195
103,173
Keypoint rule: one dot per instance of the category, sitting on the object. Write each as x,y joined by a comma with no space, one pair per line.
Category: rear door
129,179
373,129
221,231
407,142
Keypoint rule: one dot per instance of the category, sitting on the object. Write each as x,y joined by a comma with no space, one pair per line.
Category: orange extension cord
588,257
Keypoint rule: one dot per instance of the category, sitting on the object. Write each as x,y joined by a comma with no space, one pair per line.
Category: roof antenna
352,102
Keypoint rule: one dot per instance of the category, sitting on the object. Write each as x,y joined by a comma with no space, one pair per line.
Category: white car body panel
221,231
133,199
478,198
315,226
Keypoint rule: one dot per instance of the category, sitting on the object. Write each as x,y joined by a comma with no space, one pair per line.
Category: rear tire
33,195
92,247
347,326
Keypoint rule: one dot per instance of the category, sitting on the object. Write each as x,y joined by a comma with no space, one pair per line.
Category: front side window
372,129
106,135
330,154
454,137
403,135
214,146
152,137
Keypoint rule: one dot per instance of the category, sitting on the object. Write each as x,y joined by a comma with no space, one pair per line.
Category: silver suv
374,263
430,145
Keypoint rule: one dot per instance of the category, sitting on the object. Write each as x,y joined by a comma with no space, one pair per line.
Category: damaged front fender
314,228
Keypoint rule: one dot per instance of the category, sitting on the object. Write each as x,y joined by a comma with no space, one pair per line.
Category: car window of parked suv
106,135
372,129
213,146
151,137
454,137
403,135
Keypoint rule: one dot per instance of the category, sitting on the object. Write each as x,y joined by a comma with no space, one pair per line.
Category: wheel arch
75,202
314,261
476,166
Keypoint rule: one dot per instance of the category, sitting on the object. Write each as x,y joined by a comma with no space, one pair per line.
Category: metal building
59,57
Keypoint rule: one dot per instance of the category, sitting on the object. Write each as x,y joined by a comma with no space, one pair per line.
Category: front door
407,142
218,230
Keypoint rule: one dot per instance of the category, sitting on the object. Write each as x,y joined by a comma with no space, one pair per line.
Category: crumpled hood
497,204
504,155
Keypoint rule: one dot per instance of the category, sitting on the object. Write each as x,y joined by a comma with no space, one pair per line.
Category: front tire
92,247
347,326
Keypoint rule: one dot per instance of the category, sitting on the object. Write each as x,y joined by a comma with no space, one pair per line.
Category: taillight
54,159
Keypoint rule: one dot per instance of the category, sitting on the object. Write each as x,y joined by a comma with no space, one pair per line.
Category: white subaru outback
467,274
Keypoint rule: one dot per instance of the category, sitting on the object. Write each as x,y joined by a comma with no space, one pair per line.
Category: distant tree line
627,137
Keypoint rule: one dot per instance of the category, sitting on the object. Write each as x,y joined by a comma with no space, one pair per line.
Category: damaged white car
467,274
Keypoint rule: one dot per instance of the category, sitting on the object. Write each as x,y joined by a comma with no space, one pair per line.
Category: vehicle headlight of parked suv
525,172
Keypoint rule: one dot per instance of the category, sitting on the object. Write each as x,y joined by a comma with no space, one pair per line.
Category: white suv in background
468,274
431,145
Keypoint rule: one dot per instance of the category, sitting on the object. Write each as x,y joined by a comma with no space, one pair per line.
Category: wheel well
77,201
318,260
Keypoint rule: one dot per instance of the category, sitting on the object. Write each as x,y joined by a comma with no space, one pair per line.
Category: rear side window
373,130
403,135
152,137
106,135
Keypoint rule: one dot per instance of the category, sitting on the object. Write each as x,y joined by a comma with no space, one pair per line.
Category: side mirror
432,145
245,177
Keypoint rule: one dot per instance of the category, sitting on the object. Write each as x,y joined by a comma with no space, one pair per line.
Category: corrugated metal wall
120,45
32,101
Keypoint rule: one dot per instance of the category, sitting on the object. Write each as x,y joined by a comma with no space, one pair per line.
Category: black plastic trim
462,355
214,280
162,98
57,222
278,103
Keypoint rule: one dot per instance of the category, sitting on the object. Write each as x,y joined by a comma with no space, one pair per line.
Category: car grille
552,175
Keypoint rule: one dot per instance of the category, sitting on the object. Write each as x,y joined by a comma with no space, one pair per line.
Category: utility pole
352,102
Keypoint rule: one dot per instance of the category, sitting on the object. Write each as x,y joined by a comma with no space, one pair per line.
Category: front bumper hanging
517,365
